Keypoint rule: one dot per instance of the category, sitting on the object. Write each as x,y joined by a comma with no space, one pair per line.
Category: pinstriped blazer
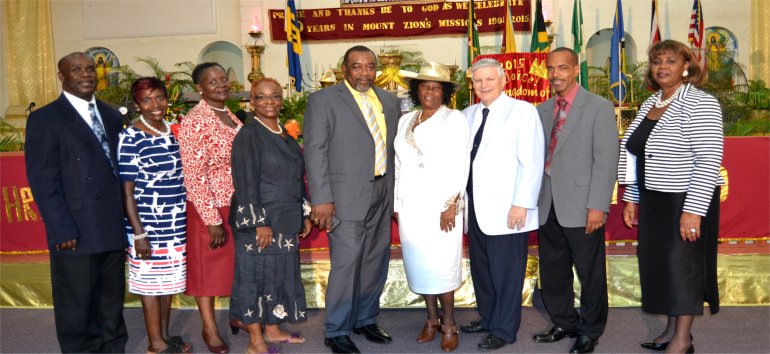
683,152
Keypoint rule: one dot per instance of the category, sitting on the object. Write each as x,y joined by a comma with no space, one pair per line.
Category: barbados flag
293,45
618,57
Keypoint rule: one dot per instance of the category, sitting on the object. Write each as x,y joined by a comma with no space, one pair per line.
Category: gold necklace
422,120
280,130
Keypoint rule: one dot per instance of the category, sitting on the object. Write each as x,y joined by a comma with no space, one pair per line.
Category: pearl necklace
152,129
280,130
664,103
219,109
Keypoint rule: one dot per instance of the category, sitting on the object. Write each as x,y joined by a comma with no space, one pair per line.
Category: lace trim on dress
458,201
410,132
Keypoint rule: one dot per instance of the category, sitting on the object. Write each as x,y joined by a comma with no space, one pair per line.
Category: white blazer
435,168
508,167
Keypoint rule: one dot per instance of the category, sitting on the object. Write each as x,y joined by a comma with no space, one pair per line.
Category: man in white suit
506,171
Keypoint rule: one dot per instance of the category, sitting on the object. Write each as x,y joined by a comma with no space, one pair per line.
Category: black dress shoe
491,342
554,334
584,344
374,334
341,344
473,327
655,346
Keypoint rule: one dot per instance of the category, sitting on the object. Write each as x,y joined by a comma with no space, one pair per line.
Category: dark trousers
560,248
359,252
498,267
88,294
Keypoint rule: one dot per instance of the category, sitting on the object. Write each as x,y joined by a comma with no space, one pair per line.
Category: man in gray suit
349,132
580,172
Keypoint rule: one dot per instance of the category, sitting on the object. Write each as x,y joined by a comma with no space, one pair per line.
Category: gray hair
486,63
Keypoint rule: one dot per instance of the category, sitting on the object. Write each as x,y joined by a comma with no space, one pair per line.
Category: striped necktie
379,144
561,117
98,129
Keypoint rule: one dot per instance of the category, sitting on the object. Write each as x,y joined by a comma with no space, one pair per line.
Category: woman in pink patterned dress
205,140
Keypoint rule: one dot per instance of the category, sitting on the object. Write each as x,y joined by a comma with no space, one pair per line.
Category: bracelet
216,224
139,236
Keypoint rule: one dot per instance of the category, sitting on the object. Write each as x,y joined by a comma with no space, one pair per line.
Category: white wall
68,21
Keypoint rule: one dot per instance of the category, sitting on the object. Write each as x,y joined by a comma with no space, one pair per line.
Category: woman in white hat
432,159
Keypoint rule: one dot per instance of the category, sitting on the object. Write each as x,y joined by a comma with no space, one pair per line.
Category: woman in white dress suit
432,159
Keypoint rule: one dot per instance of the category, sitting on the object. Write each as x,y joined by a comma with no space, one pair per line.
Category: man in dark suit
349,132
70,155
580,170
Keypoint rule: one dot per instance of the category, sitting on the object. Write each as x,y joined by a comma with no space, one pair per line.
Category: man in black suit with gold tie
71,147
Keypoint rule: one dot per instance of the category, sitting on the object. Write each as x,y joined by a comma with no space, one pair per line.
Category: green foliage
294,107
759,95
11,137
734,102
411,61
120,94
178,83
599,83
462,95
747,127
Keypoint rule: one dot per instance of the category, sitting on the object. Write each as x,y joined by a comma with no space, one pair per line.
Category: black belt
379,177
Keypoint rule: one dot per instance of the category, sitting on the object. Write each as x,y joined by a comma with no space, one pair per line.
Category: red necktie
561,117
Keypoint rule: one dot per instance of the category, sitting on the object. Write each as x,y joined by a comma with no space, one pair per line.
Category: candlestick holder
255,50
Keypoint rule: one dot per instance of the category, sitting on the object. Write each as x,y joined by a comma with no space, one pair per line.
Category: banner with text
407,20
526,76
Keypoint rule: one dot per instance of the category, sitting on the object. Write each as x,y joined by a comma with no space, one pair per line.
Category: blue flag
293,45
618,79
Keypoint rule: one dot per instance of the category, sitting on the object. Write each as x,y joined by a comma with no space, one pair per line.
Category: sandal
186,348
170,348
294,338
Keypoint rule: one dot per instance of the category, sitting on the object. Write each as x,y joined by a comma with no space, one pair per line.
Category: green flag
473,35
577,35
539,43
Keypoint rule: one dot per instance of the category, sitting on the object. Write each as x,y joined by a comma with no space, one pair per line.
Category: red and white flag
695,36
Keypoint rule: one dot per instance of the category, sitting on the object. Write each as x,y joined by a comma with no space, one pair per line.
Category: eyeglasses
261,98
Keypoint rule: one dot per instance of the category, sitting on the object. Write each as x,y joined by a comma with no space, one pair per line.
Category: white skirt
432,257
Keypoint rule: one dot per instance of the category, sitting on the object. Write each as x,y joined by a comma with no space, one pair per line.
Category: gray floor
733,330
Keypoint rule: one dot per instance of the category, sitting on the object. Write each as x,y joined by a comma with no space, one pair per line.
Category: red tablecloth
745,213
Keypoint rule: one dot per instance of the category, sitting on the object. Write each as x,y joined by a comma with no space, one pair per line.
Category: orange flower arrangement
292,128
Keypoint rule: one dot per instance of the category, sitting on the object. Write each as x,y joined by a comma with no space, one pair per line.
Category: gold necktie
379,144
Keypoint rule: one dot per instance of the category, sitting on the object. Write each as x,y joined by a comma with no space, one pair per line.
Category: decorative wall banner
743,214
376,2
402,20
526,76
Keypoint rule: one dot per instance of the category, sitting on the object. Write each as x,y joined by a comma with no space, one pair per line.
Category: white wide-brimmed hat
432,71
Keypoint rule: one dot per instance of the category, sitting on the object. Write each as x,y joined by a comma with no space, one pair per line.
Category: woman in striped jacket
669,162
